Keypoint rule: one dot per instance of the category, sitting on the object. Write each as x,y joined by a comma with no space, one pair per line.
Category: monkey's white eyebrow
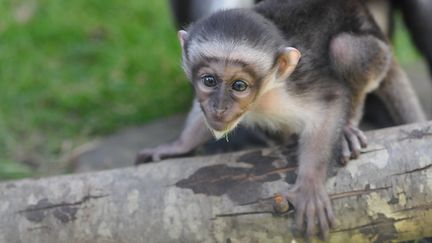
247,69
232,51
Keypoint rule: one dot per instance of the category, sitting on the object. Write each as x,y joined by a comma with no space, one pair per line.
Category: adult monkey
418,18
188,11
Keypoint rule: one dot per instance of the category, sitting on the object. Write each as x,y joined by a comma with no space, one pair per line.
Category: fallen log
386,195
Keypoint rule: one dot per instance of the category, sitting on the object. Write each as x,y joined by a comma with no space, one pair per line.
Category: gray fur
320,98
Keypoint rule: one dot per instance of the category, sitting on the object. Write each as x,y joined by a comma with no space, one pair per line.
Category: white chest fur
278,111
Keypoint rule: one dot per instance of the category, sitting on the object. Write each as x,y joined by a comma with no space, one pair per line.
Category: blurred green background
74,71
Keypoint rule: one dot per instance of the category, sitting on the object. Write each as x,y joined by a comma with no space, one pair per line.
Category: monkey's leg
399,97
417,16
362,60
194,134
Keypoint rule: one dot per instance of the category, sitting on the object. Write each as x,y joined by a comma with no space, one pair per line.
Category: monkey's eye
209,81
239,85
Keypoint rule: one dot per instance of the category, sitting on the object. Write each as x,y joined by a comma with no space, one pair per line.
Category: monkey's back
310,25
317,21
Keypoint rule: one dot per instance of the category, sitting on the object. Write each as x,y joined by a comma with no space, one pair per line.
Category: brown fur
236,104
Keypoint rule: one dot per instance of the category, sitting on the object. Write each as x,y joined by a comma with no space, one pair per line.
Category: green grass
71,71
79,69
404,50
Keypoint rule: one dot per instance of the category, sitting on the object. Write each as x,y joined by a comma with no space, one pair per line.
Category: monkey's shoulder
279,111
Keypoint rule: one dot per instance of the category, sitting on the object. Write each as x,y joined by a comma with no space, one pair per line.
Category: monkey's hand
160,152
311,201
194,134
352,142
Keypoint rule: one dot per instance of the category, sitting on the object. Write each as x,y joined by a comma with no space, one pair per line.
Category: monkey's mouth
221,129
218,125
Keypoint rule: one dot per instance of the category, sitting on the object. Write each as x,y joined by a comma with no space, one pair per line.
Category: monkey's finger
156,157
142,157
329,209
138,160
323,221
360,135
311,222
346,153
354,144
299,219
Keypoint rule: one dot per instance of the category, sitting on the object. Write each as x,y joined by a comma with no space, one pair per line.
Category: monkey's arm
194,134
318,143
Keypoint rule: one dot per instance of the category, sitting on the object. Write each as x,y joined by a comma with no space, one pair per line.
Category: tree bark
386,195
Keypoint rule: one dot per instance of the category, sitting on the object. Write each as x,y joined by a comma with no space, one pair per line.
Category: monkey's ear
182,35
287,61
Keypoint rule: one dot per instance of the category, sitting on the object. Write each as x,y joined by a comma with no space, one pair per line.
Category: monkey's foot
312,206
352,142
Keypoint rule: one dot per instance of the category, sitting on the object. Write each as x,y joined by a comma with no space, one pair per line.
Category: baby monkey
294,66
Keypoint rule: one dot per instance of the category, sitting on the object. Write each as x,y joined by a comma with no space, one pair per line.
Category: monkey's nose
220,112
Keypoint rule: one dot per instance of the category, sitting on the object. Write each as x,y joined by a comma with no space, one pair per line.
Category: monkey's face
225,91
229,76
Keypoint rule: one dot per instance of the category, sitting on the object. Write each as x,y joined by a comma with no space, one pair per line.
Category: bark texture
386,195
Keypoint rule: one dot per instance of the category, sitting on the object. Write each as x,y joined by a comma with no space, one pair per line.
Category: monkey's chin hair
221,134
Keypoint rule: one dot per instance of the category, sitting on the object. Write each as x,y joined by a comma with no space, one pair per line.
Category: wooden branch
383,196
